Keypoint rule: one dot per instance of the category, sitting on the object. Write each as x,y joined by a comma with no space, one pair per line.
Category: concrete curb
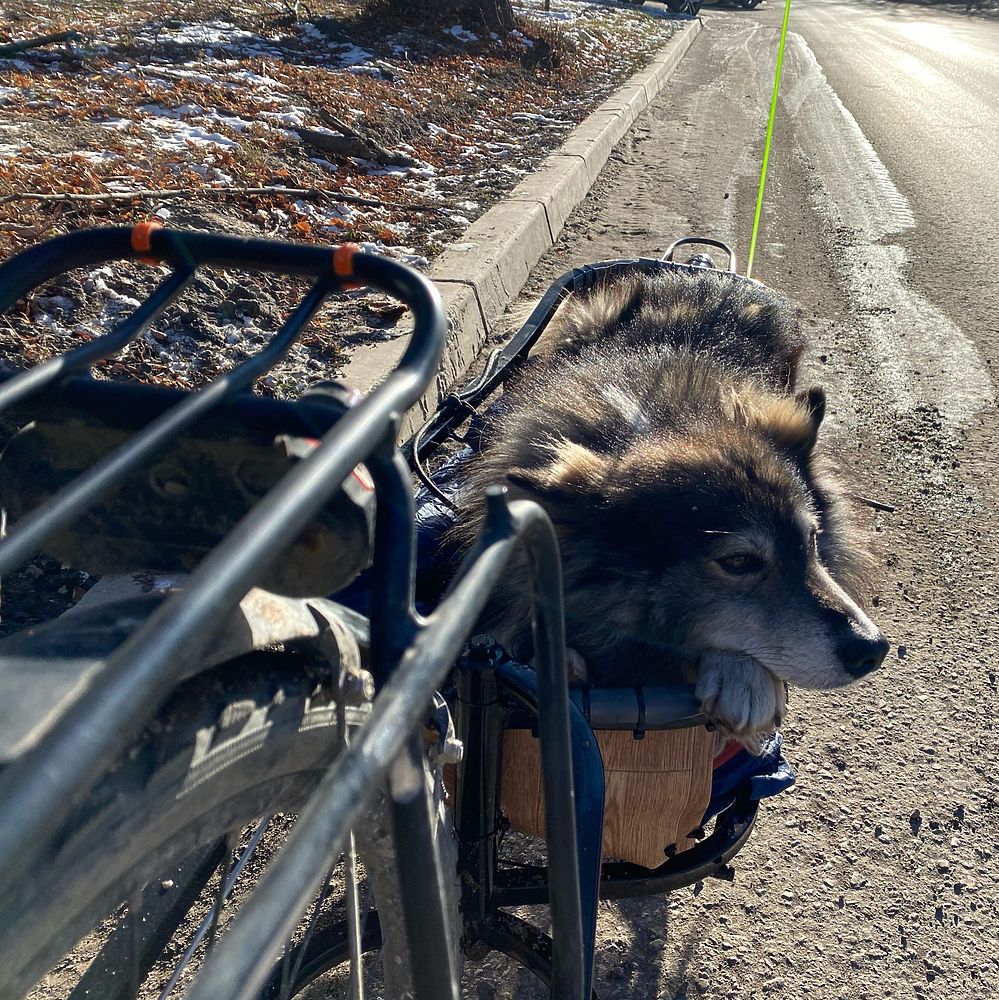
484,271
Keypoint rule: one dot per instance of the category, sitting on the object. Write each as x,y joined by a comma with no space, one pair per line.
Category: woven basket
657,789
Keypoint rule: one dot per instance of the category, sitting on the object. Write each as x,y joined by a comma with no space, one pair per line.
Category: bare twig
351,142
876,504
33,43
165,193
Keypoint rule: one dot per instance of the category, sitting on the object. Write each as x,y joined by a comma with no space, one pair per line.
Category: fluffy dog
704,537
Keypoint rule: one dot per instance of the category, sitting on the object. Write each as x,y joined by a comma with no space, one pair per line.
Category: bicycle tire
249,738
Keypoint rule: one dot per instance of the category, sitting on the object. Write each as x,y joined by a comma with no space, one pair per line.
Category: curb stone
480,274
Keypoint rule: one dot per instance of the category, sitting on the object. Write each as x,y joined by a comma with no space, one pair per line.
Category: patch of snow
209,173
186,74
462,34
178,135
525,117
56,304
208,33
158,111
293,116
255,79
351,55
325,164
373,71
238,125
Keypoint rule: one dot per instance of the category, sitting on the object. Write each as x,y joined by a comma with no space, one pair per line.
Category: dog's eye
741,564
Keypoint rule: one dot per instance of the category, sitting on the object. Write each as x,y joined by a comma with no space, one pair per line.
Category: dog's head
707,538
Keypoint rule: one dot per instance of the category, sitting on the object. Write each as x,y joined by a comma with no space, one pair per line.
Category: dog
706,537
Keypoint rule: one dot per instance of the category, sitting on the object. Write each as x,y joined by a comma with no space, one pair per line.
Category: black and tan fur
704,536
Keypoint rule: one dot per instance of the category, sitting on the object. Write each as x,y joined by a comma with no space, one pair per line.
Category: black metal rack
411,656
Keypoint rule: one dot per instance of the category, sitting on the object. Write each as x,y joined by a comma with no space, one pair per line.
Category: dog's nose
861,654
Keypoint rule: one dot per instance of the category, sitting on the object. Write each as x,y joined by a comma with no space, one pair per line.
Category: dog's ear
812,399
573,470
791,422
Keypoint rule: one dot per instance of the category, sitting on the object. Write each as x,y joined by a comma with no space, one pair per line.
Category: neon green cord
770,135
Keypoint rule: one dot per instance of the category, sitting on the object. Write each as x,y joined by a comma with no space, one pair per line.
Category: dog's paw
740,697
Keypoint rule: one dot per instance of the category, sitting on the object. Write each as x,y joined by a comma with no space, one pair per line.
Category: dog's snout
860,654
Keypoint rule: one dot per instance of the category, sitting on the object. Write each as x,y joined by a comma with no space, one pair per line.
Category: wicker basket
657,789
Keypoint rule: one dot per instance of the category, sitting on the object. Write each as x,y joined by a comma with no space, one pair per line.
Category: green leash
770,135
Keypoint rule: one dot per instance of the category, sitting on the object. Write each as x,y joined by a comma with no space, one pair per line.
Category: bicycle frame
410,656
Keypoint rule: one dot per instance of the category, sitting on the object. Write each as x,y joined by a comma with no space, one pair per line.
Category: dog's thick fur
704,537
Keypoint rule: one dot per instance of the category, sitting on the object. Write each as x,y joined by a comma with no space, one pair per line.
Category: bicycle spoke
210,918
216,911
163,911
354,926
286,971
135,910
289,972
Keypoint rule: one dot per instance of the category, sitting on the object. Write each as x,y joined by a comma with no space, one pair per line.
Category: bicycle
169,721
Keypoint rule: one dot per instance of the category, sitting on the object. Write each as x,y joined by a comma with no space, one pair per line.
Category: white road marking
921,355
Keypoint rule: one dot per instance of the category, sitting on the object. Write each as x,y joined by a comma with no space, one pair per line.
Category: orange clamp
142,239
343,263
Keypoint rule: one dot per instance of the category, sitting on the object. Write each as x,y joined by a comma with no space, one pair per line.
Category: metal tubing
26,383
571,961
37,791
162,912
242,961
518,939
29,534
423,899
522,684
479,724
92,247
38,264
393,619
618,708
130,406
527,886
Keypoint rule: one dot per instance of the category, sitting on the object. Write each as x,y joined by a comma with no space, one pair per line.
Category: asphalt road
876,876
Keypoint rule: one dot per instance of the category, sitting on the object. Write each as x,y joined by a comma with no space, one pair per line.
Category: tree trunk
493,14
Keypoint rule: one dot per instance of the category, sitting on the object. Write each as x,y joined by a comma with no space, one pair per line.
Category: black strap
639,732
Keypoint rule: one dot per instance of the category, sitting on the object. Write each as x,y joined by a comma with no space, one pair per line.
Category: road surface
876,877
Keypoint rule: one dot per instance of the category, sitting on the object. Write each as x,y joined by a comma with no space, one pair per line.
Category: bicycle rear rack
410,656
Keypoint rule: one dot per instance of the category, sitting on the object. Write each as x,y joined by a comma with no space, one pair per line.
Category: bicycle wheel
248,739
